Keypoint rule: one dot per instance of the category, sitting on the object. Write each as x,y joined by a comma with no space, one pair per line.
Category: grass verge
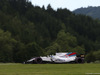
49,69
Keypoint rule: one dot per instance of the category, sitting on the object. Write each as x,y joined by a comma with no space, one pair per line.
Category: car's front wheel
38,60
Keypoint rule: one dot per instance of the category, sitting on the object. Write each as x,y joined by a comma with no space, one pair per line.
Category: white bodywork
60,58
57,58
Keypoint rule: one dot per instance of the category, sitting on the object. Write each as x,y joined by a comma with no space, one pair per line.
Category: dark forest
29,31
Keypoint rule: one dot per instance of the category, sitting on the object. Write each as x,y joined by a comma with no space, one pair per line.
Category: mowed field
49,69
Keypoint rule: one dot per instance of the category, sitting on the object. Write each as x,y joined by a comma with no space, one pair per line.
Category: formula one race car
58,58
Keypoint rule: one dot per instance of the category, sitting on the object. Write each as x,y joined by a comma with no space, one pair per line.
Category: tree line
29,31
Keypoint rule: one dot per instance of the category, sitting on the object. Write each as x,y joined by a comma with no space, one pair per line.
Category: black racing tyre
79,60
38,60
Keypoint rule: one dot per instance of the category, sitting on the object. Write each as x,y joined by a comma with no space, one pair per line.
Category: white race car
58,58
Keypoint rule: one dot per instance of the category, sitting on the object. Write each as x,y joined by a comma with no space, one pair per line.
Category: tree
97,55
90,57
79,50
49,7
43,8
33,50
19,52
66,41
50,10
7,44
53,49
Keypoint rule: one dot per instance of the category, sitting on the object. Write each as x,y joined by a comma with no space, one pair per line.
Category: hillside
90,11
28,31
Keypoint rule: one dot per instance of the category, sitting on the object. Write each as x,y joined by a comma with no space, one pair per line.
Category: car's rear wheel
79,60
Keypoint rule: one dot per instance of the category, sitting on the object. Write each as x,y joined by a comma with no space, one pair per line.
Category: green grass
48,69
